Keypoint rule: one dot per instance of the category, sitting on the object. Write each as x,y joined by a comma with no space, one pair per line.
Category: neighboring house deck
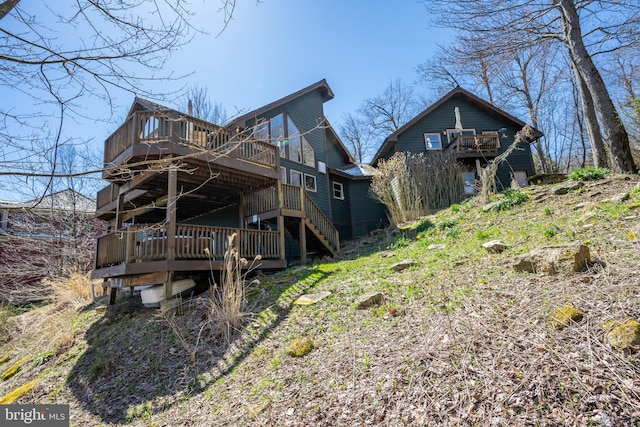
180,187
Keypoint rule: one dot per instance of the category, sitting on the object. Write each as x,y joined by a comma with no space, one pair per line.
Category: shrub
412,185
424,226
588,174
510,197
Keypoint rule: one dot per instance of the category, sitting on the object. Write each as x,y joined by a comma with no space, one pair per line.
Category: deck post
119,213
172,188
280,218
303,242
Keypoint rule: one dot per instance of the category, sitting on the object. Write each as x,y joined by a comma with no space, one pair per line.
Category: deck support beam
172,190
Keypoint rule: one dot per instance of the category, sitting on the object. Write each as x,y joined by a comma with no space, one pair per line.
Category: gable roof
457,92
322,86
66,200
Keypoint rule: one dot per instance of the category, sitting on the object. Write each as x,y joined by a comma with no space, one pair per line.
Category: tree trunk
598,151
614,131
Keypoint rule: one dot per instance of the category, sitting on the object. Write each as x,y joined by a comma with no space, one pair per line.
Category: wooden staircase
320,226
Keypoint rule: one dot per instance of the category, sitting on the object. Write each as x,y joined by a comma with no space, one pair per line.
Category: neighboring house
473,130
42,238
278,178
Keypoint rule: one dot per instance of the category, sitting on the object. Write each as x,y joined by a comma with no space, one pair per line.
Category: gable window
276,127
338,190
310,182
296,178
282,131
432,141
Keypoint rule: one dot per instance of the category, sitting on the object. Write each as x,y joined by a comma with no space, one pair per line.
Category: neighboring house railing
477,143
146,242
149,127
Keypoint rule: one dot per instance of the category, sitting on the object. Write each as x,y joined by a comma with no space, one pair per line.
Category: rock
495,246
564,317
310,299
618,198
387,254
437,247
369,299
300,347
489,206
403,265
624,336
570,186
569,258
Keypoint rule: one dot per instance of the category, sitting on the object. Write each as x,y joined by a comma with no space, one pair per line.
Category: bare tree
379,116
54,58
509,26
359,137
197,102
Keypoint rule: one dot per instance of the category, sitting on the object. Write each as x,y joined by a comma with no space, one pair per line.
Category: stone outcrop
556,259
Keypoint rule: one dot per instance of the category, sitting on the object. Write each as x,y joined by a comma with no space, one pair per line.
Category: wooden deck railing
140,243
262,201
323,224
149,127
477,143
106,195
292,197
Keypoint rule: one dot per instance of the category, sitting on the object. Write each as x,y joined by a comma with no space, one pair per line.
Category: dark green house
277,185
313,157
472,129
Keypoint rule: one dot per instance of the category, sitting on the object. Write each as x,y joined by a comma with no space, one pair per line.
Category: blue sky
277,47
273,48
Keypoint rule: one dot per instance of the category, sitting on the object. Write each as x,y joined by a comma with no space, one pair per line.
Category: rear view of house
278,178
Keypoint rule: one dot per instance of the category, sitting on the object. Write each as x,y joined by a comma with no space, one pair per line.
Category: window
338,191
308,156
322,167
276,127
432,141
295,148
310,182
296,178
521,178
262,131
283,172
469,182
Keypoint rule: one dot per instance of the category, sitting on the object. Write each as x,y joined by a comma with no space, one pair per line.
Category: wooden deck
144,248
472,145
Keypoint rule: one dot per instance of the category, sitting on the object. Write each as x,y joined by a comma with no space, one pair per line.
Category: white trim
315,183
341,189
428,143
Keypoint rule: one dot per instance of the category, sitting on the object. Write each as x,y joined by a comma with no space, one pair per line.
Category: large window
292,143
432,141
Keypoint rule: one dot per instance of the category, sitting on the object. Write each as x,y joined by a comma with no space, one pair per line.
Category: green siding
341,209
367,214
472,117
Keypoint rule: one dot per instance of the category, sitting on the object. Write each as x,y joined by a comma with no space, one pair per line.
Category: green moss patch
300,347
623,336
564,317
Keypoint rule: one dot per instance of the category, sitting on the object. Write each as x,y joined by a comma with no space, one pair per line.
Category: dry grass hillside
459,338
